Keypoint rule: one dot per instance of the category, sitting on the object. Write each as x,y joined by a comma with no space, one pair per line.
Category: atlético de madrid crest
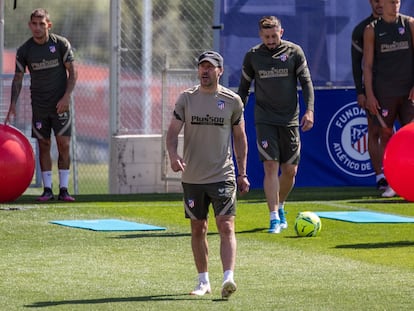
347,141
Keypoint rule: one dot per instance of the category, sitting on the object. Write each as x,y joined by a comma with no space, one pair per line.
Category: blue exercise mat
365,217
107,225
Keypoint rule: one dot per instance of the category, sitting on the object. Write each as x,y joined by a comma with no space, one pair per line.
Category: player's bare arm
15,92
64,103
240,151
411,23
176,161
372,103
306,122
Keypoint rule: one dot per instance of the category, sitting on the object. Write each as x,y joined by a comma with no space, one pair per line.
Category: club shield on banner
333,153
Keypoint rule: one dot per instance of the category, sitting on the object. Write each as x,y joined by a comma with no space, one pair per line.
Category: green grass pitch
347,266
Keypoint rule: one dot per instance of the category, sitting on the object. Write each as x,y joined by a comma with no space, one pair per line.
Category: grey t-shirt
208,121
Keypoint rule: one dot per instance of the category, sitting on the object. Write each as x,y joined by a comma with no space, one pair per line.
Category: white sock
379,176
281,205
47,179
203,278
228,275
64,178
274,215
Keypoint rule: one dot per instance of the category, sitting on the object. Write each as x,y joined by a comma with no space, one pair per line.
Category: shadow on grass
254,230
256,195
172,297
378,245
90,198
154,235
317,194
176,234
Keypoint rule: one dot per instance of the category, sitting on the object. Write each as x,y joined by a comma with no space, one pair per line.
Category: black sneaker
64,195
47,195
382,184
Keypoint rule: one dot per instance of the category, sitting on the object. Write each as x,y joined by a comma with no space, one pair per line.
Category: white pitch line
338,205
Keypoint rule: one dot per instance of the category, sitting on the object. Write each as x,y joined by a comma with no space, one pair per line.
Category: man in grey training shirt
212,117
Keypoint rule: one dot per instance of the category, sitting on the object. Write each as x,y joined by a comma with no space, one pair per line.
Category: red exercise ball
399,162
17,163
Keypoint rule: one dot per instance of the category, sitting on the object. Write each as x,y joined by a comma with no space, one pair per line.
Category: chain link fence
155,35
173,82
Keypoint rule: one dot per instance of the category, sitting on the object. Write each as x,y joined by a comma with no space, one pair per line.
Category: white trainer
389,193
201,289
228,288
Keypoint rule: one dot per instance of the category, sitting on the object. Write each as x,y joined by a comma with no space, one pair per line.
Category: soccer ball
307,224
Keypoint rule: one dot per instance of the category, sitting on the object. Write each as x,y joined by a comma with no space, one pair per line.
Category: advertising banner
333,153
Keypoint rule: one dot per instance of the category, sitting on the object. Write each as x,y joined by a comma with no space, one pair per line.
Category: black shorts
43,121
197,199
278,143
396,108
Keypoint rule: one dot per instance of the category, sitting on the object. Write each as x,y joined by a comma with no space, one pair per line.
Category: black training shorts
43,121
197,199
278,143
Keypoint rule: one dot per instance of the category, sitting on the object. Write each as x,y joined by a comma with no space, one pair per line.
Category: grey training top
208,121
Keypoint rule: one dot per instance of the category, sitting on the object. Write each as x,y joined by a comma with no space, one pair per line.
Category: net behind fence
156,35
